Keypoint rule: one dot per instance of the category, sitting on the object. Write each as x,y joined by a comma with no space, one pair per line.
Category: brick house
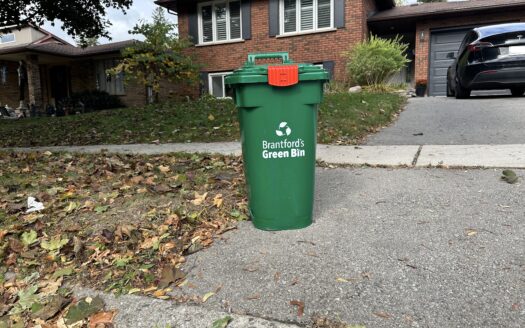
318,31
55,69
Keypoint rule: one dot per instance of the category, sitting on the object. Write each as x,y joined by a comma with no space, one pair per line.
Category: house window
216,85
306,15
112,84
219,21
7,38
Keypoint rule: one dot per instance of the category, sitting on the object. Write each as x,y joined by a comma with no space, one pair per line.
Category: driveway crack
416,156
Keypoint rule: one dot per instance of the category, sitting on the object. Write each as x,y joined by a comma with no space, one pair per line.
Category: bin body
278,134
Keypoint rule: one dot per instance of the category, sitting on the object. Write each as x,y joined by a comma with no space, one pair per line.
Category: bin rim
253,73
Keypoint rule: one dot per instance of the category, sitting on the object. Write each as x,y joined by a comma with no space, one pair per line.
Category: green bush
374,61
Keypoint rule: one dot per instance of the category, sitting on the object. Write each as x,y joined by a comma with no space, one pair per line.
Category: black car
490,57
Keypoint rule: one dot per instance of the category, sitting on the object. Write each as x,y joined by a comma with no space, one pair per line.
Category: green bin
277,106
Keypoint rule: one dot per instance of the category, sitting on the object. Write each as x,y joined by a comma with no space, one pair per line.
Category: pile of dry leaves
119,223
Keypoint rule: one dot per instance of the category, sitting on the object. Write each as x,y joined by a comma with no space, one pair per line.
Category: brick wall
9,91
425,26
317,47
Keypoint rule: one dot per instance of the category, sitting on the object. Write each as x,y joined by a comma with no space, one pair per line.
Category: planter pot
421,90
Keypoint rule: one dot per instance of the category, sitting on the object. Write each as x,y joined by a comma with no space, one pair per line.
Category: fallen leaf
29,237
101,318
471,232
101,209
170,275
199,199
83,309
383,315
341,280
217,200
62,272
164,169
221,323
48,311
207,296
51,287
300,307
254,297
54,244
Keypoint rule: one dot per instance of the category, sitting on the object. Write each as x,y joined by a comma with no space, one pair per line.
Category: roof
68,50
435,9
171,4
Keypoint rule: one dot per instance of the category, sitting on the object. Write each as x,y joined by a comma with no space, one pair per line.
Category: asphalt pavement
480,120
389,248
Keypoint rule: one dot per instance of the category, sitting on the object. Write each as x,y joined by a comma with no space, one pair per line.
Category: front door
59,78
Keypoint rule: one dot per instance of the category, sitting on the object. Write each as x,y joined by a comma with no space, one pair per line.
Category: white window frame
298,19
2,35
210,84
214,22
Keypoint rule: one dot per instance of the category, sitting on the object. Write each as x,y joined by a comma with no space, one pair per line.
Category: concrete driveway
448,121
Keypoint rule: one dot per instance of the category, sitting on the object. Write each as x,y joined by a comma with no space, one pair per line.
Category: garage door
442,43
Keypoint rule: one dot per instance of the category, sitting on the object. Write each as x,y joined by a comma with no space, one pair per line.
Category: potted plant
421,88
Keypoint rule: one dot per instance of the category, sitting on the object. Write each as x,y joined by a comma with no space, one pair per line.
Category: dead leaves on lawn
120,223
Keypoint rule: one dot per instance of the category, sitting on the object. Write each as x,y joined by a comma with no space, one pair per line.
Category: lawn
343,119
118,223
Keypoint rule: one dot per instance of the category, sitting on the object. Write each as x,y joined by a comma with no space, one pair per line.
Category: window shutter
246,14
273,17
193,28
204,88
329,66
339,12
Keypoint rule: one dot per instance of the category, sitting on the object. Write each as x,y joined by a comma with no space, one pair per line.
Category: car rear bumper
498,78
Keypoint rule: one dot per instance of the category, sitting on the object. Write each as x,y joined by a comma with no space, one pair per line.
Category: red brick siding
425,26
318,47
9,92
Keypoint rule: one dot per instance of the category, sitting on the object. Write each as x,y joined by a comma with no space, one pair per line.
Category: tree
160,56
82,19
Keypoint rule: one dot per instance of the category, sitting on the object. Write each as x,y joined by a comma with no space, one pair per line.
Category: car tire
460,92
517,92
450,93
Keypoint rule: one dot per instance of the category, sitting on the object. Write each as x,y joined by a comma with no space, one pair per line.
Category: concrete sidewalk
465,156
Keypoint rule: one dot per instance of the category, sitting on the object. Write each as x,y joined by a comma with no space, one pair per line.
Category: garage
441,43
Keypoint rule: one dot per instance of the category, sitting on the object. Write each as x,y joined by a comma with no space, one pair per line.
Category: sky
141,9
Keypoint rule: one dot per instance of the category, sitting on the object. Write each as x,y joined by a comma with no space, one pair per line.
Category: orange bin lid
283,75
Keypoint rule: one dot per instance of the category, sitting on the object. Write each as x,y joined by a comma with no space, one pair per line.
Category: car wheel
517,92
449,90
460,92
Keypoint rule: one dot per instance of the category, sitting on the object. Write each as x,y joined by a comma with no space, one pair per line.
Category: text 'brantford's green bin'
277,106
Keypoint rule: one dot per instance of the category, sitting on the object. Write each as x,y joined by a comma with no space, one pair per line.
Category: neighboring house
318,31
56,69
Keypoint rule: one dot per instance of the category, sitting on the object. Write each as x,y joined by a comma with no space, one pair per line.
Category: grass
343,119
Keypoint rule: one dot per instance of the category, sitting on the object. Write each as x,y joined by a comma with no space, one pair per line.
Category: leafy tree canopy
82,19
159,57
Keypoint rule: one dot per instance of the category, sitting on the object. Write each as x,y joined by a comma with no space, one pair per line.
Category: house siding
422,49
9,92
310,48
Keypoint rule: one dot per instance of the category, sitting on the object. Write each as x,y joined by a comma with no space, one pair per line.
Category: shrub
374,61
94,100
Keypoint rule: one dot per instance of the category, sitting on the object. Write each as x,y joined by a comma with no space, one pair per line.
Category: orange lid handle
283,76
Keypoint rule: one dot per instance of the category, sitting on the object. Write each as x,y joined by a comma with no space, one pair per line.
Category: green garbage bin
277,107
